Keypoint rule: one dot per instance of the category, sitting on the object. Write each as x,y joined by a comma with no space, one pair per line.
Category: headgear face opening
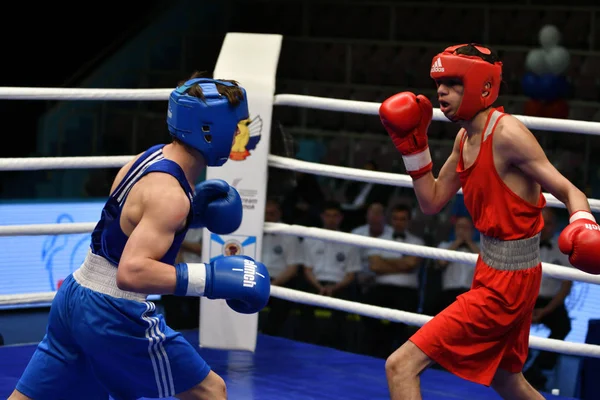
475,73
206,125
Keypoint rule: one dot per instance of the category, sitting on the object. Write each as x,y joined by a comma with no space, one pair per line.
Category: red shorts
486,328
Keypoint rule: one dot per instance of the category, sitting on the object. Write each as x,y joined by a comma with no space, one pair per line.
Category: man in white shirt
550,307
376,227
457,277
281,254
396,286
330,270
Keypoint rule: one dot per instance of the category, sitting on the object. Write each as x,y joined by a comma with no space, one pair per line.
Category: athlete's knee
212,387
393,364
407,361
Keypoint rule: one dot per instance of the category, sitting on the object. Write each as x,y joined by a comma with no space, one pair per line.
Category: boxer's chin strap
581,215
191,279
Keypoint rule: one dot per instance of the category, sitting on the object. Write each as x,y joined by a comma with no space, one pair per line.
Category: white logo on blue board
56,246
231,246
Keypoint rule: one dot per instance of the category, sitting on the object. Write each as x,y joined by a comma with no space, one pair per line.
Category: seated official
457,277
282,256
330,270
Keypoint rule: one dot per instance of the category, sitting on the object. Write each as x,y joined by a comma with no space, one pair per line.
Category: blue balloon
549,87
530,83
545,87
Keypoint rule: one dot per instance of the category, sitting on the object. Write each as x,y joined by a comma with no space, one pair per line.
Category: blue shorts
97,345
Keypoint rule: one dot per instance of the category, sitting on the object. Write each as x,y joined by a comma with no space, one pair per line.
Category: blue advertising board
34,264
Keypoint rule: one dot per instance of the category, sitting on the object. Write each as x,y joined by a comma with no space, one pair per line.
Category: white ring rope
535,342
67,228
293,100
45,93
26,298
556,271
332,171
46,163
372,108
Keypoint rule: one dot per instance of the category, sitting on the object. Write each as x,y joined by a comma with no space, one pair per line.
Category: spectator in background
550,307
457,277
281,254
183,312
1,340
330,270
396,286
376,227
359,195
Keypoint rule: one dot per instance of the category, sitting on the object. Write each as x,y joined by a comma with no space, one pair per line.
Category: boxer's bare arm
433,194
156,209
517,145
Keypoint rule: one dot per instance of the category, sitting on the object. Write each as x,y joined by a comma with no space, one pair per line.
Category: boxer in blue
103,337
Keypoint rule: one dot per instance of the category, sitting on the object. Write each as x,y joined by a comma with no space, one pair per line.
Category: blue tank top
108,239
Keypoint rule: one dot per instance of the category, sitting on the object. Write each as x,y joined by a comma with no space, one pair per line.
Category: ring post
250,59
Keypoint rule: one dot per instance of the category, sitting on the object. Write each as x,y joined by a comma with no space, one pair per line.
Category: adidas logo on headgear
437,66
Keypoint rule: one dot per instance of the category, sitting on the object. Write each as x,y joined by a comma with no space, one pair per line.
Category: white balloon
558,59
549,36
536,62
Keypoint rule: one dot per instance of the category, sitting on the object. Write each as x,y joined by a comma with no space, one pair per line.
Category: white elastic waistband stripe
98,274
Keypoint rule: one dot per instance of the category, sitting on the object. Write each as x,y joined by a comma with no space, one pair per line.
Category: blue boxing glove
240,280
216,206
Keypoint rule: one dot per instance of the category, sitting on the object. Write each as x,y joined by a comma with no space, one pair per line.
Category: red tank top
496,210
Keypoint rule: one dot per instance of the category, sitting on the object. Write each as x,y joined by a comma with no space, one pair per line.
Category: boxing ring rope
292,100
361,107
332,171
46,163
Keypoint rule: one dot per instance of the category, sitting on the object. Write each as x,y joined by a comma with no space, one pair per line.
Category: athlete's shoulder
513,139
162,185
511,129
509,123
161,193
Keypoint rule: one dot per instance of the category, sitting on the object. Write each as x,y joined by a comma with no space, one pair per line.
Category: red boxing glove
581,241
406,118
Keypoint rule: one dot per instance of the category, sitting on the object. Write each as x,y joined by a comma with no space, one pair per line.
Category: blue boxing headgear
207,126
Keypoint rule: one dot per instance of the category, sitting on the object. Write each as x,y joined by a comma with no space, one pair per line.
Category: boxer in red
484,335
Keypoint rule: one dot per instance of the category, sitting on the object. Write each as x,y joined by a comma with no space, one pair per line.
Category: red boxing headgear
474,73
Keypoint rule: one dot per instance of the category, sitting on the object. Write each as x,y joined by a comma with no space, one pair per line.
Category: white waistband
98,274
